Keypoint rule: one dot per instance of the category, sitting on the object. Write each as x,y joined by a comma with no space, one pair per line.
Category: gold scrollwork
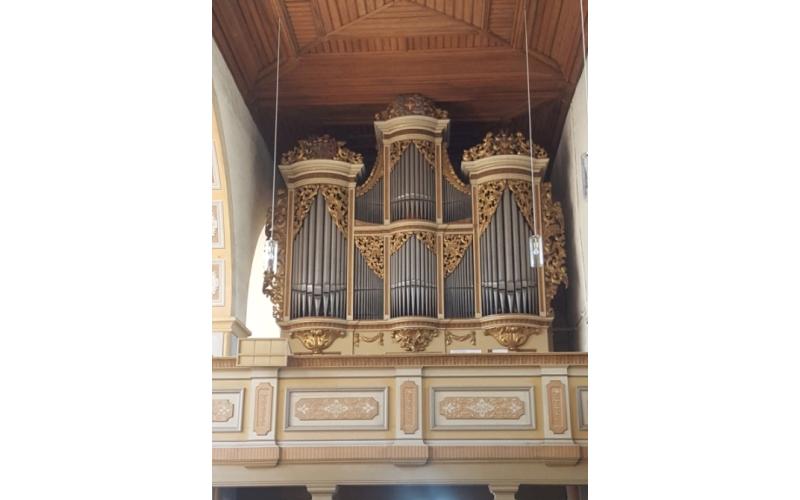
415,340
555,253
322,147
318,339
454,246
521,191
374,176
411,104
335,202
489,195
450,337
426,148
371,248
503,143
512,337
274,282
357,338
449,172
398,239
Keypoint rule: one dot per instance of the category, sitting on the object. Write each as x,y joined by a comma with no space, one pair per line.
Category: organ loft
414,256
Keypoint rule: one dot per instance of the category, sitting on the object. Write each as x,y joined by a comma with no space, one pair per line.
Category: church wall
568,188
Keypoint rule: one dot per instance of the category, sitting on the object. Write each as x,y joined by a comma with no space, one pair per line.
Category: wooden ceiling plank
279,9
321,6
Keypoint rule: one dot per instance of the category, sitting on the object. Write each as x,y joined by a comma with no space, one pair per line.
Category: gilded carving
358,337
512,337
555,252
322,147
374,176
350,408
557,407
450,337
221,410
426,148
415,340
489,195
521,191
318,339
398,239
409,423
274,282
263,418
428,238
449,172
482,408
411,104
335,202
371,248
503,143
454,246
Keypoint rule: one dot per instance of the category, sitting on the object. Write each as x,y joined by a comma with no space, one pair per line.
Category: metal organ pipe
458,286
412,187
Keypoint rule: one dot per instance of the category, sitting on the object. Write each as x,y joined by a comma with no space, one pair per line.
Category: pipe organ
415,255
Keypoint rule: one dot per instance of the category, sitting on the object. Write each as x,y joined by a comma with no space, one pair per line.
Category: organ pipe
412,186
413,280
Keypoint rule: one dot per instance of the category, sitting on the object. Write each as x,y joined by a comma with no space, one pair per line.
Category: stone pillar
321,492
504,491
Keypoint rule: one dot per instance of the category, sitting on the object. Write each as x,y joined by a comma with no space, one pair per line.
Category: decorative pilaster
557,426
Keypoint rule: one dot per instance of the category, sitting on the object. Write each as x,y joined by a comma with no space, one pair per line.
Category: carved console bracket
318,339
512,337
414,340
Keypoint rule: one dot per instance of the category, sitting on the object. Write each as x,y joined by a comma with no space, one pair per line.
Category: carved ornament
371,248
411,104
409,423
489,194
503,143
450,337
398,239
221,410
512,337
557,407
322,147
274,282
318,339
482,408
521,191
555,253
363,408
375,175
426,148
263,419
454,246
449,172
358,337
335,201
414,340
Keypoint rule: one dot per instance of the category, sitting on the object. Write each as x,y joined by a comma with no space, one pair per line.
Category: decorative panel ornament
371,248
489,195
512,337
503,143
263,418
454,246
409,394
345,408
398,239
557,407
415,340
221,410
335,202
411,104
450,337
274,281
359,337
482,408
318,339
322,147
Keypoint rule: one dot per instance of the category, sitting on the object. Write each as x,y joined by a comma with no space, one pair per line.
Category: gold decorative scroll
489,195
358,408
322,147
371,248
450,337
512,337
522,196
374,176
454,247
482,408
411,104
414,340
398,239
449,172
274,282
555,253
357,338
318,339
397,149
503,143
335,202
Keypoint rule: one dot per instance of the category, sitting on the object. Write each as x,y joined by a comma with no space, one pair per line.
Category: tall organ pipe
412,187
458,287
413,280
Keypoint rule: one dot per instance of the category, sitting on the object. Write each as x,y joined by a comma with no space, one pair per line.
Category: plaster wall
569,187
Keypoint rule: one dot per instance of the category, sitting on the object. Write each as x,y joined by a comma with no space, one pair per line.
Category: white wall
568,188
260,321
249,171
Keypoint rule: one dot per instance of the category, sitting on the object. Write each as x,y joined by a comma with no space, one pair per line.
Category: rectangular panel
583,408
217,228
485,408
226,410
336,409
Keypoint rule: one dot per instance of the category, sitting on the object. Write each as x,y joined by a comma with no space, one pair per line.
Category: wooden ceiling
344,60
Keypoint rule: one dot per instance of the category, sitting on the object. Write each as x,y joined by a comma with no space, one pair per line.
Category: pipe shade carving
555,253
336,203
274,282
